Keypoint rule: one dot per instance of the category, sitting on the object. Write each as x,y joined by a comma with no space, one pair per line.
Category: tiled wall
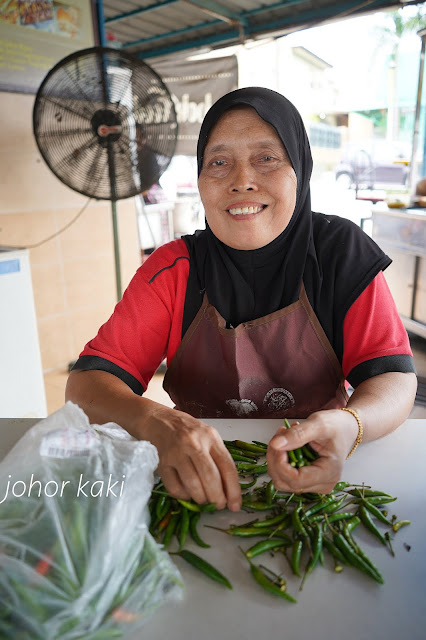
73,273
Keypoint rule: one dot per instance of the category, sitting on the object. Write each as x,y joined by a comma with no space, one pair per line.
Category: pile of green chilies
301,527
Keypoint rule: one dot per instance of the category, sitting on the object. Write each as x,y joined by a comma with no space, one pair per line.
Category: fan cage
97,88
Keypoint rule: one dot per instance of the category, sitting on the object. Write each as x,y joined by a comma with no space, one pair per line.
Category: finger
173,483
279,440
209,471
317,477
229,478
293,438
190,475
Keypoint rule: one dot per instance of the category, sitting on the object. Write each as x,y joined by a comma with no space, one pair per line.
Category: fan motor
106,126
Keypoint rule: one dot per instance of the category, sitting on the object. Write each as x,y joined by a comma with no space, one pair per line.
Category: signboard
35,35
195,86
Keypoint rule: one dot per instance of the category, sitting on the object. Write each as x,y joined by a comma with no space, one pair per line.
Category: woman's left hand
330,433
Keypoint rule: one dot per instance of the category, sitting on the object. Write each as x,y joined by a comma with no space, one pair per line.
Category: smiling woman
265,313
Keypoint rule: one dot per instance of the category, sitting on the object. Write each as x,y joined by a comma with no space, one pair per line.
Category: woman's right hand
194,462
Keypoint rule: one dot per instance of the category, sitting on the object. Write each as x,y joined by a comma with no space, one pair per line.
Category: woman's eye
267,158
218,163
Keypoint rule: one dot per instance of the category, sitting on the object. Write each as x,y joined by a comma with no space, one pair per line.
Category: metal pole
101,23
111,163
116,249
412,176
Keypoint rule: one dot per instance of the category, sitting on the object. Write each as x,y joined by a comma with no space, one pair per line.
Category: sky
359,55
350,42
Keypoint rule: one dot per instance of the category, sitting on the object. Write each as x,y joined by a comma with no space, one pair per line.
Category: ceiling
157,28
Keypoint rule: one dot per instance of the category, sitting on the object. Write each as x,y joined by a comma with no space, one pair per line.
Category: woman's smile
245,210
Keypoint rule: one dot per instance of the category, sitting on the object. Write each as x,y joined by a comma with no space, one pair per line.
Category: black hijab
333,257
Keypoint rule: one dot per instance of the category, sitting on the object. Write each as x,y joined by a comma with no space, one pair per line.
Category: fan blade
67,107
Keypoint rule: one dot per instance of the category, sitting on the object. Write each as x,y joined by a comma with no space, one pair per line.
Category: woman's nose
243,178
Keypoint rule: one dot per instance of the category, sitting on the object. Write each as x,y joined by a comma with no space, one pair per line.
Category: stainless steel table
331,606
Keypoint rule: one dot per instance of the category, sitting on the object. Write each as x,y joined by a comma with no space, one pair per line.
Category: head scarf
333,257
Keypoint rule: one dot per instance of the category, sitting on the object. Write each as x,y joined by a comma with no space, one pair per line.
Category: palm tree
399,23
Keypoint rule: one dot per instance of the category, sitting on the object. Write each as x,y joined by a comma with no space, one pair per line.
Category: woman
276,305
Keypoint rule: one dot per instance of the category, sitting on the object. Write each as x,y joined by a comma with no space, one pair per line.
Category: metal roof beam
217,11
317,16
271,7
313,17
178,32
189,44
136,12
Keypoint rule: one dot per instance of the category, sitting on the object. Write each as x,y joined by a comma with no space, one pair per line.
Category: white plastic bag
76,558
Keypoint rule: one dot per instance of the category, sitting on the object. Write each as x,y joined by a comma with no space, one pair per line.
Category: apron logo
278,399
243,407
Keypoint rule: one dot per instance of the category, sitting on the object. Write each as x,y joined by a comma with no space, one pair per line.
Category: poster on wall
36,34
194,86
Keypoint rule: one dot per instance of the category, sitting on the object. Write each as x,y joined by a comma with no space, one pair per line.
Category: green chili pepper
354,559
270,492
308,453
256,506
352,523
367,521
299,457
368,493
340,486
243,452
258,469
324,502
204,566
296,553
378,500
104,634
276,586
333,505
401,523
334,517
194,518
316,552
358,550
296,521
161,506
193,506
335,551
237,457
276,532
292,457
377,513
242,532
270,522
184,527
170,529
247,485
247,446
260,444
265,545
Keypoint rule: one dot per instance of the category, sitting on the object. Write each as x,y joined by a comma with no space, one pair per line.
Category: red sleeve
374,338
146,324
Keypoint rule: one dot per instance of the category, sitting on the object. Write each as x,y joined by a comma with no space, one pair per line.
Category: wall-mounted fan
106,125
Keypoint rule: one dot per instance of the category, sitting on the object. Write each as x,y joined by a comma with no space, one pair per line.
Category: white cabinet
22,393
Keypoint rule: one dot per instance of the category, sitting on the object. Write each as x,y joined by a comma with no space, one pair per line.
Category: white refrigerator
22,392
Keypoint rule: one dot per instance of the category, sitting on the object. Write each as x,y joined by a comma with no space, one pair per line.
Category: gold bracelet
360,430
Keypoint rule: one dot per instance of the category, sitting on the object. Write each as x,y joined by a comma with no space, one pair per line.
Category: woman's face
247,184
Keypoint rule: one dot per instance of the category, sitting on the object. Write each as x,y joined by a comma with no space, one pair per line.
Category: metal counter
331,606
401,233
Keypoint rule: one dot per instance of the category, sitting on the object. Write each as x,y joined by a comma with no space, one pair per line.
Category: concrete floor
55,383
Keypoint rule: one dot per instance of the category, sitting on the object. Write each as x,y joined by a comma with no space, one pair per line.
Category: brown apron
276,366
